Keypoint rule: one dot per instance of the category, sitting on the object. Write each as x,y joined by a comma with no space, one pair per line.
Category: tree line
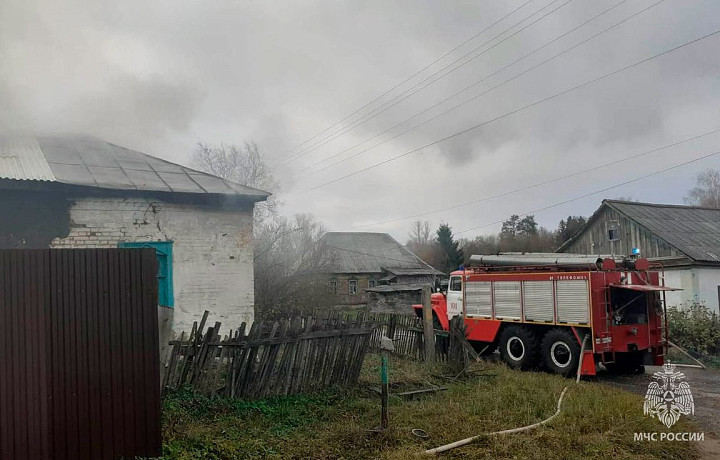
441,250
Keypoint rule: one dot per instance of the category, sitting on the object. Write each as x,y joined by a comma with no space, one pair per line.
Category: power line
518,75
512,112
540,184
419,86
429,80
413,75
598,191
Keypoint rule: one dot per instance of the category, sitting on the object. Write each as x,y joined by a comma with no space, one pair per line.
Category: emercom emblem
668,397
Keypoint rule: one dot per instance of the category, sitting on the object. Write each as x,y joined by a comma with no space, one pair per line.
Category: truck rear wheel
560,351
518,347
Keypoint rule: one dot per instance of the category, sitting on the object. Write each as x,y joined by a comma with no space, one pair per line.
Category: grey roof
88,161
694,231
386,288
360,252
411,271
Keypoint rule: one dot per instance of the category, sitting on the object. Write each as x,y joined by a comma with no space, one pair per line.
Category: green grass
597,421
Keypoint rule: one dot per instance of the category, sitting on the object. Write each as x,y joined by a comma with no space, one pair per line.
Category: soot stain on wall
31,220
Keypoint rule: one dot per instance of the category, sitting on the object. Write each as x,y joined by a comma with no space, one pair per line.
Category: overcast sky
159,76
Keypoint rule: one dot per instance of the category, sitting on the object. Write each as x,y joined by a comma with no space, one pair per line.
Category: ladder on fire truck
606,336
665,328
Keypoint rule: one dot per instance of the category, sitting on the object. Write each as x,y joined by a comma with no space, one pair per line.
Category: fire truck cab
538,309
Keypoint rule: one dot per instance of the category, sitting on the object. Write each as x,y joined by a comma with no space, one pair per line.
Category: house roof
395,272
91,162
692,230
411,271
360,252
387,288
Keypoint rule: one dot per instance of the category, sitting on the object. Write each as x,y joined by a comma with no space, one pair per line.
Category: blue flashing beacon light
636,251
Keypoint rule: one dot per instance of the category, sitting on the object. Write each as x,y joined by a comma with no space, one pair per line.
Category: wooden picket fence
406,332
291,356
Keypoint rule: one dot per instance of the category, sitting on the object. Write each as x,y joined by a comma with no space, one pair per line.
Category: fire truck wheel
560,351
518,347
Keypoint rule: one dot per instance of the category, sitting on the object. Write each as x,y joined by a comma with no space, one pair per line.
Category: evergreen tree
524,235
568,228
450,249
509,228
527,227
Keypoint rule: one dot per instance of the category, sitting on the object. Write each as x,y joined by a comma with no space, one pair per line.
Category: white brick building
70,192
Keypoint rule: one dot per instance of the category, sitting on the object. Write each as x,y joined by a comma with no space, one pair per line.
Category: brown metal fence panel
79,369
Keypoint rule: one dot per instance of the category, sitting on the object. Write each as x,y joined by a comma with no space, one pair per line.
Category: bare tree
481,244
422,244
419,233
707,191
242,164
288,260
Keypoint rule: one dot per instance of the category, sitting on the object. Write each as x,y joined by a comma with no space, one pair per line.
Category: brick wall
212,250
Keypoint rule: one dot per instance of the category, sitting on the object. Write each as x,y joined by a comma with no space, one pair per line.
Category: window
372,282
455,283
613,230
333,286
352,287
163,251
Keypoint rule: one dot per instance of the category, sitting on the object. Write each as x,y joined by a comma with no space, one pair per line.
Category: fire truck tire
560,351
519,347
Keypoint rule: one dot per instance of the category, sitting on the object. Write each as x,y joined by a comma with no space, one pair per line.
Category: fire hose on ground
466,441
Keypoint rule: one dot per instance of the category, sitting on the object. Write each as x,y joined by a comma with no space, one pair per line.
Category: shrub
695,327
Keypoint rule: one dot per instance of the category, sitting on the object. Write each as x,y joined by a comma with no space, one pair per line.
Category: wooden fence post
429,335
457,354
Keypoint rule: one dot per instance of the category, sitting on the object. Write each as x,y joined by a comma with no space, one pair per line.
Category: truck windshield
629,307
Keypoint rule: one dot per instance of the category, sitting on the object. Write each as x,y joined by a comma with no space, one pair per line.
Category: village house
374,269
684,239
82,192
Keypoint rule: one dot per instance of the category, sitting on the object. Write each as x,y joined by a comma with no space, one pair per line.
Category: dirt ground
705,387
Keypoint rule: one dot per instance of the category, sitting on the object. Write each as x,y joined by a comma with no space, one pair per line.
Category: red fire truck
539,308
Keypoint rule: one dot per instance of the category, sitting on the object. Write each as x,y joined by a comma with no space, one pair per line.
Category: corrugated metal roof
22,159
386,288
412,271
92,162
694,231
360,252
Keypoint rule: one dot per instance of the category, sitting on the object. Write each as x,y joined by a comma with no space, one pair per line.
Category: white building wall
697,284
212,251
709,281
